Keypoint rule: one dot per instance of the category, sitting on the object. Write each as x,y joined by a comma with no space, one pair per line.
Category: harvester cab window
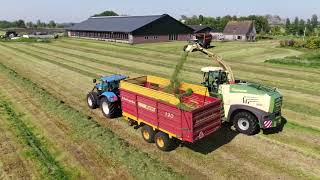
214,78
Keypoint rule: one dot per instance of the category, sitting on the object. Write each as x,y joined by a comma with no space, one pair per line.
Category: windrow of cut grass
223,149
50,165
13,151
138,163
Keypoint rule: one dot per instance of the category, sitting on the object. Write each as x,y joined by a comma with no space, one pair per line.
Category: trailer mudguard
111,96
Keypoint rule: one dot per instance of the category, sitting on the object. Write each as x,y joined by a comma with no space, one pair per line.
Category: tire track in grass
139,164
51,166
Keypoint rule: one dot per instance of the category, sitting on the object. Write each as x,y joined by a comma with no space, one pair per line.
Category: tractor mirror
94,80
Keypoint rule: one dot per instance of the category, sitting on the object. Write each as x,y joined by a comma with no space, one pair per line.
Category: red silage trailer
163,121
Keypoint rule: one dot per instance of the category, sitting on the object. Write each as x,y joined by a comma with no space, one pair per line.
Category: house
240,30
200,29
132,29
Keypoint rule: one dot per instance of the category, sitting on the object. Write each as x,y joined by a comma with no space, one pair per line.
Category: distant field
47,82
2,32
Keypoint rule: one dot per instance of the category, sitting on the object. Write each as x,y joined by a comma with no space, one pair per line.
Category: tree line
22,24
218,23
298,27
301,27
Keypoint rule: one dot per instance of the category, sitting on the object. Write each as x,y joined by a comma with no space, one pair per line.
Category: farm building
240,30
200,29
132,29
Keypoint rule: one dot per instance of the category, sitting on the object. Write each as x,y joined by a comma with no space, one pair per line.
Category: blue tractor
105,95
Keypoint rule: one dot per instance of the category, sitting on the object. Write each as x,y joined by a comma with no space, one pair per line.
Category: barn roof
125,24
238,27
199,28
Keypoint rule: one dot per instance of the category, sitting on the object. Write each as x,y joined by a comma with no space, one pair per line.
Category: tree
30,24
302,26
52,24
288,26
296,26
314,21
106,13
19,24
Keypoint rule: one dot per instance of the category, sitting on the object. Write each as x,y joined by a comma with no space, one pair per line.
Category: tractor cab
213,77
109,83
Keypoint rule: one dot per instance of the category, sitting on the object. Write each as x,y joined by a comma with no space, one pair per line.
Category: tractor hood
253,88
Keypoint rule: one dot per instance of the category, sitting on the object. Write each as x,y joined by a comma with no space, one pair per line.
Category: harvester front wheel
163,141
148,133
92,100
108,109
246,123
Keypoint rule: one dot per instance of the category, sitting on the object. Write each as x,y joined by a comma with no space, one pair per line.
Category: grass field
45,85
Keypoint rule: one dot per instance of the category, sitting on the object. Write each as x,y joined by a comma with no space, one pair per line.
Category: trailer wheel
163,141
148,133
246,123
92,100
108,109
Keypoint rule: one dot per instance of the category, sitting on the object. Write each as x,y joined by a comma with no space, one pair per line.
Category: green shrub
313,43
299,44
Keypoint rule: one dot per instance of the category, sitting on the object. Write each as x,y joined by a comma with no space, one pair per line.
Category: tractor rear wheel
108,109
163,141
246,123
92,100
148,133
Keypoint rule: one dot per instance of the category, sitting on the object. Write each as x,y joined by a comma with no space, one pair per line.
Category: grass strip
138,163
53,62
51,166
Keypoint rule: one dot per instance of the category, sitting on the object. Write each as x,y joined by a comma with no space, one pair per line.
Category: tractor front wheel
246,123
92,100
108,109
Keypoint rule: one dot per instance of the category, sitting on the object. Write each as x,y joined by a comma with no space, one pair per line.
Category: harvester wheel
92,100
163,141
246,123
148,133
108,109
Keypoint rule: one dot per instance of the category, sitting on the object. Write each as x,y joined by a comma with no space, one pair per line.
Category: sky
79,10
